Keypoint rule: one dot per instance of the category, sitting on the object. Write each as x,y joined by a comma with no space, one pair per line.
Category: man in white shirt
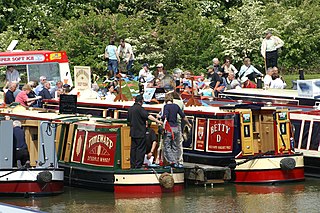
39,88
276,82
269,49
126,54
144,72
12,75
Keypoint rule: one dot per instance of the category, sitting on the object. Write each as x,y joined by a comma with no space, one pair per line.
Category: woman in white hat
246,83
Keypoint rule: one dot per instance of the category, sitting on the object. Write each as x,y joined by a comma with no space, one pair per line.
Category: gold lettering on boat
101,139
220,128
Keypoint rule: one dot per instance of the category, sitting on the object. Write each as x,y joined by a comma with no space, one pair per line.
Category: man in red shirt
246,83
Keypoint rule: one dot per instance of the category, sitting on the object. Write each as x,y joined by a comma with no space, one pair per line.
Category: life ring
287,163
44,177
166,180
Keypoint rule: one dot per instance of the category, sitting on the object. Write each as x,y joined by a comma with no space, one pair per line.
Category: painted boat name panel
100,149
94,148
220,135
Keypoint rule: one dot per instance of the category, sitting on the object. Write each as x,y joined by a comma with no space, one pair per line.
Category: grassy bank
290,78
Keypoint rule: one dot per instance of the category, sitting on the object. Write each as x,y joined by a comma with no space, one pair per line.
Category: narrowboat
304,115
305,127
95,153
43,175
254,140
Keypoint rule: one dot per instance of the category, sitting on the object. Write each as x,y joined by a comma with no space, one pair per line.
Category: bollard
259,82
301,74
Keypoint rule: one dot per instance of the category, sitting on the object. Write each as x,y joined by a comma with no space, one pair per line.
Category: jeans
113,65
172,149
179,146
129,67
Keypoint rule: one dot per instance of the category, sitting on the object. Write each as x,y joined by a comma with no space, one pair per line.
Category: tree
243,34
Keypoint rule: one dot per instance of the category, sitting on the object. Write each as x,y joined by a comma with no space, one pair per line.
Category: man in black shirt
210,72
45,91
19,144
9,94
137,117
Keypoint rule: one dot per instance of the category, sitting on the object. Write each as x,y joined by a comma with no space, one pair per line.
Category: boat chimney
259,82
12,45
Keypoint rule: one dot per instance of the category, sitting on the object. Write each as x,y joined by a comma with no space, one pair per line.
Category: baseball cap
145,65
160,65
210,67
139,98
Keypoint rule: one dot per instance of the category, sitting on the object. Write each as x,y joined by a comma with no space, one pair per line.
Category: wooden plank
57,141
68,146
125,147
33,145
31,123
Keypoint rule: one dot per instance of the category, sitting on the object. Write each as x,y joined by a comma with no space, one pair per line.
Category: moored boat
42,176
304,115
253,139
95,154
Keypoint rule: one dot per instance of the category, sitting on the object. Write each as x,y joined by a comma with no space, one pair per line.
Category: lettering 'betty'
101,139
219,128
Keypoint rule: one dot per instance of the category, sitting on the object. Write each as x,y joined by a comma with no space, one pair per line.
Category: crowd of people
31,93
217,78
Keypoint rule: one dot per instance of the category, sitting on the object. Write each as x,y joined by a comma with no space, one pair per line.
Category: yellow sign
55,56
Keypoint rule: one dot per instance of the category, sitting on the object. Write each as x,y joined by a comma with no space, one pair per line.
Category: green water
290,197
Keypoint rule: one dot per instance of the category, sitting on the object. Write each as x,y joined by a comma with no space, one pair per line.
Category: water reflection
293,197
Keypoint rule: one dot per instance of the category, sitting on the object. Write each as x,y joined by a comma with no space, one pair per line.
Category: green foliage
243,34
179,33
191,40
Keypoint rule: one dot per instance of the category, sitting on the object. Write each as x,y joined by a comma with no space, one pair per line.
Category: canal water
289,197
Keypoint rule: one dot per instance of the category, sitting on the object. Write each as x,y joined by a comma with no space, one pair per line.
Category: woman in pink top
22,96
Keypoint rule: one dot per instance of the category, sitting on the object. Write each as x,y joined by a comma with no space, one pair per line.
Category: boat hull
27,182
146,183
77,176
267,169
140,181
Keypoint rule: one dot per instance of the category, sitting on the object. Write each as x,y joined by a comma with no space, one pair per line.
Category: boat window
305,135
296,128
314,144
50,70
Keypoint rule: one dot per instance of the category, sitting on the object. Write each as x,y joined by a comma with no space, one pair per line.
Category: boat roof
32,57
279,93
32,52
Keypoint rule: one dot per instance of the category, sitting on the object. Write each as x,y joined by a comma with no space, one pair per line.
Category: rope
9,173
251,158
155,172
